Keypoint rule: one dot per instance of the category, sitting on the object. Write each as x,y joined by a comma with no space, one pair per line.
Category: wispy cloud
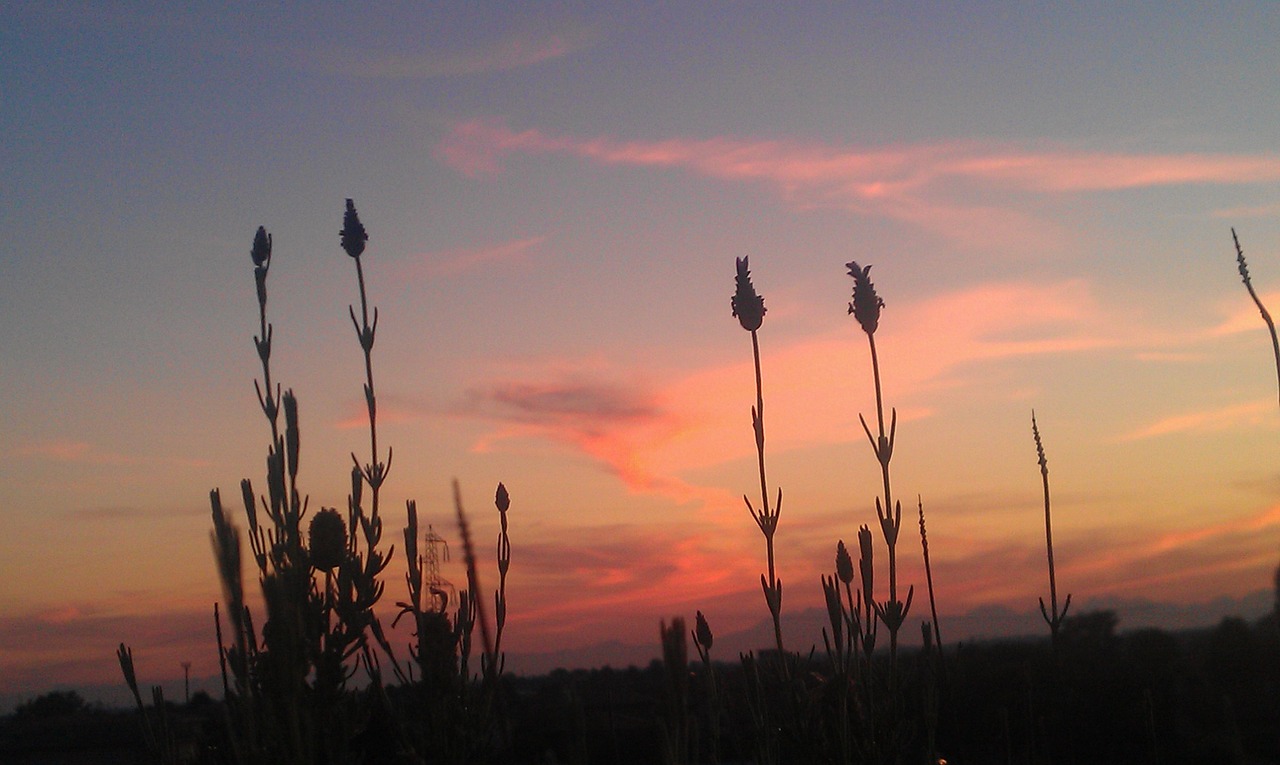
930,185
1268,210
1208,557
74,642
1243,316
479,146
640,567
85,453
514,50
392,409
619,426
121,512
654,437
72,451
1207,420
456,261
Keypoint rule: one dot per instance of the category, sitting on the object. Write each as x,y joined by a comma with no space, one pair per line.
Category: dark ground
1140,697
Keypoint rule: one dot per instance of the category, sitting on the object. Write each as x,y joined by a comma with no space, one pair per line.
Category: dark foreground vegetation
1148,696
313,678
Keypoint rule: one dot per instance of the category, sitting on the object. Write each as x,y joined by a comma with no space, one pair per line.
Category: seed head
844,564
866,565
835,612
748,306
261,251
702,632
327,539
866,303
1240,261
502,499
353,234
1035,431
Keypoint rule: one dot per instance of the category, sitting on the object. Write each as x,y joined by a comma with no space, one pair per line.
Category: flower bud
261,251
353,234
502,499
357,484
866,304
844,564
866,565
702,632
327,539
748,306
250,503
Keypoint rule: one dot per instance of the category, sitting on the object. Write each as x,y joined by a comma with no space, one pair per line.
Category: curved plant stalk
1051,615
928,576
1266,315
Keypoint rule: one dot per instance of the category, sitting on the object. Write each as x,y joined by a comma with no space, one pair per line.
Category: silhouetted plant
748,308
1051,615
1266,315
865,307
287,687
676,718
928,576
702,641
841,645
290,701
159,743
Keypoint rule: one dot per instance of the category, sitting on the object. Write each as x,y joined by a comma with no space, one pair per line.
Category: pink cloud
456,261
973,566
616,425
578,583
867,174
1243,315
85,453
1200,560
653,438
1209,420
72,451
1102,171
1270,210
513,50
73,643
912,183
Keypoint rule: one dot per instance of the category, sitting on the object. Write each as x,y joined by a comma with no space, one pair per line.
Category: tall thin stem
1051,615
866,307
748,308
368,372
770,523
884,455
928,575
1266,315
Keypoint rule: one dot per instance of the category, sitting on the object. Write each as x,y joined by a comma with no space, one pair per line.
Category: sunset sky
555,196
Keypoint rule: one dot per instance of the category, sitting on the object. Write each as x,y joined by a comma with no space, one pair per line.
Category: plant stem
774,608
928,575
1266,315
884,453
1052,616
